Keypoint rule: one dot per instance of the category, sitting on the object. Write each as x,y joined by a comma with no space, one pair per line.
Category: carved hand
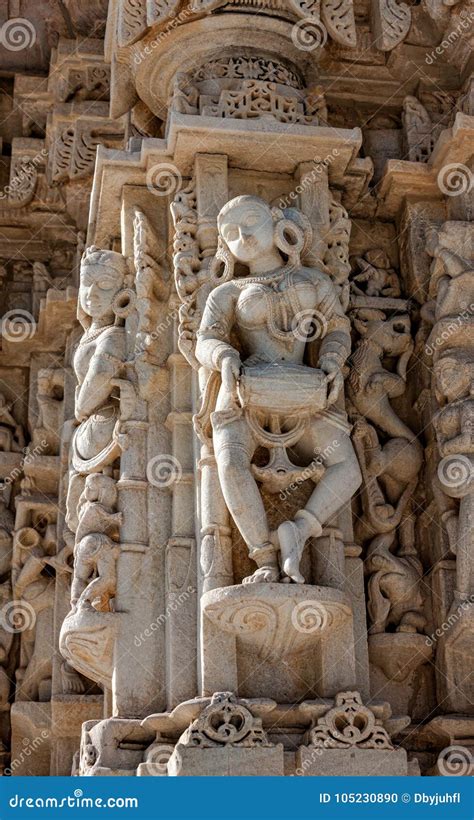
334,378
230,371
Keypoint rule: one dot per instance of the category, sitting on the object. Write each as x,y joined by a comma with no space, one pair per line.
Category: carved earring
124,302
289,239
223,255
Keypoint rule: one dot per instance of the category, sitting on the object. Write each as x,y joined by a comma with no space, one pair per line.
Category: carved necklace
90,334
270,277
274,278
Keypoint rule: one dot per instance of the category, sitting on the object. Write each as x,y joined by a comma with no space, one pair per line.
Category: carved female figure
99,359
255,331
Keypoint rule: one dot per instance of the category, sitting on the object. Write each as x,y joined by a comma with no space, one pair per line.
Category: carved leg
341,479
234,448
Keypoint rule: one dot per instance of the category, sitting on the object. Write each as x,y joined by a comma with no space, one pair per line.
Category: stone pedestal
316,762
288,640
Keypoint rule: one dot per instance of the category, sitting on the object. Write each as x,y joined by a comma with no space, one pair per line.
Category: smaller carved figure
50,396
394,587
96,507
33,585
376,275
454,388
370,384
95,578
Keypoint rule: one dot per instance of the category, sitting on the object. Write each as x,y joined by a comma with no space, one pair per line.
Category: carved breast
277,304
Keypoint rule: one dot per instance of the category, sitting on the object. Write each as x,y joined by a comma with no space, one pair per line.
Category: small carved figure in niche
389,453
12,439
454,388
33,583
451,279
261,391
370,384
50,397
376,274
95,578
390,475
99,359
97,505
394,586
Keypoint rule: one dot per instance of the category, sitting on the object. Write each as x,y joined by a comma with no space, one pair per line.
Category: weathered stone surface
236,381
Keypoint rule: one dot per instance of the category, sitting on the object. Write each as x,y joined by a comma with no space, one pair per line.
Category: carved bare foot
291,548
267,574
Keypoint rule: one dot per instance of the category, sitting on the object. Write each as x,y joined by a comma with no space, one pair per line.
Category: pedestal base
291,641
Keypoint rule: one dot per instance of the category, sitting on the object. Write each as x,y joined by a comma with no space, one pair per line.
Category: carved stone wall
236,381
